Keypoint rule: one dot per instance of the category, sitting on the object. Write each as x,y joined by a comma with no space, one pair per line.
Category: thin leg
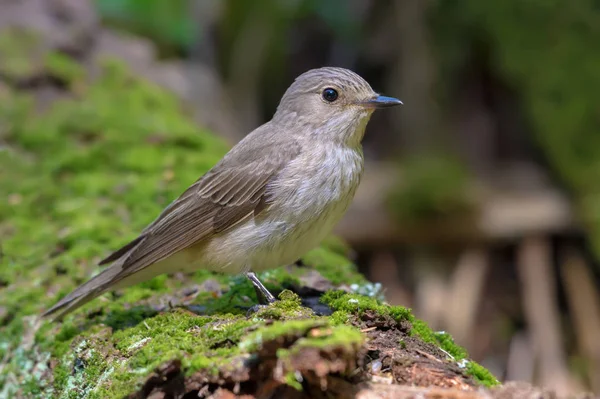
262,293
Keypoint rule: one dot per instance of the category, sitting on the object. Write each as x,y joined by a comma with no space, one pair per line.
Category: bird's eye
330,95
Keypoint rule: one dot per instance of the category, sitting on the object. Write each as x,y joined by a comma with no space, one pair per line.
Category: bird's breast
317,185
307,198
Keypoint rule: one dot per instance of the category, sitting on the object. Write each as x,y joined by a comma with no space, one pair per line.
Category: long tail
89,290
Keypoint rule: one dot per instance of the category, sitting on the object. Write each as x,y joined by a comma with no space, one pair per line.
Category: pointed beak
381,102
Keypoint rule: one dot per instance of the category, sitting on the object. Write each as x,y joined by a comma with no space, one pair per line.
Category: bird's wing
228,194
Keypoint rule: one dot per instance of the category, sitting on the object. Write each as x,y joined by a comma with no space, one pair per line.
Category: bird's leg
262,293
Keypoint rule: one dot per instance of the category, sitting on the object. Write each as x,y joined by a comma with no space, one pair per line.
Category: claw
262,293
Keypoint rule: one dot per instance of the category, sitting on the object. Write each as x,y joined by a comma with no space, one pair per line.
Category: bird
274,196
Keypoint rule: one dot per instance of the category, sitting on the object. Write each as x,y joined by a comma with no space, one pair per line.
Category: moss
293,381
63,67
334,266
337,245
459,354
77,174
289,306
280,330
335,336
481,374
307,333
346,304
441,339
67,332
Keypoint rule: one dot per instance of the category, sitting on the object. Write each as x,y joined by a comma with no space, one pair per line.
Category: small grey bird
273,196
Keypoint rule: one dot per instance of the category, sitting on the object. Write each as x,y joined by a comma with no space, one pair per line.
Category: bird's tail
89,290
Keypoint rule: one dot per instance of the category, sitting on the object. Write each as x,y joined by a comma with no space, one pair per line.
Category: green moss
459,354
79,181
323,335
64,68
337,245
333,337
333,266
67,332
289,306
481,374
346,304
281,330
292,380
441,339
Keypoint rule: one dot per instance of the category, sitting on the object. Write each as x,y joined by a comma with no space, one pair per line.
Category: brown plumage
241,202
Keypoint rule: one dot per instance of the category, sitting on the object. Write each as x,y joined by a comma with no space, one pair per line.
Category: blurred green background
480,207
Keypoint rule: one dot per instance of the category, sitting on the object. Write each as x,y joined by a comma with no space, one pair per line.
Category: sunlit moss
481,374
347,306
441,339
350,304
333,266
288,306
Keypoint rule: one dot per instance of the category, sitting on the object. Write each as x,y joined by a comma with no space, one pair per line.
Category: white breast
309,198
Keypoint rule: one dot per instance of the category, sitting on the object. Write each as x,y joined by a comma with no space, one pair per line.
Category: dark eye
330,95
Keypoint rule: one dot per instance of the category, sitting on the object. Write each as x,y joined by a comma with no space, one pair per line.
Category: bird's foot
262,293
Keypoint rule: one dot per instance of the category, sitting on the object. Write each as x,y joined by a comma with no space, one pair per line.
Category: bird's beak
380,102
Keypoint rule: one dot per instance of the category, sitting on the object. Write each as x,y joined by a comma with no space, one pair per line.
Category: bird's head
330,103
